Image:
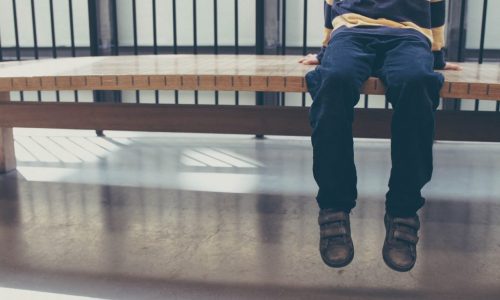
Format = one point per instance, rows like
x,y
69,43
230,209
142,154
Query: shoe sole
x,y
395,267
339,265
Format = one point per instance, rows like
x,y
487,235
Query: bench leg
x,y
7,155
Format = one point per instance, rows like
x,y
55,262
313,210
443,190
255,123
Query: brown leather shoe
x,y
401,239
335,246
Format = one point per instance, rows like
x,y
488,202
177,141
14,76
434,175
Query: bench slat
x,y
266,73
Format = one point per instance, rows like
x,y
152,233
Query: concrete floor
x,y
171,216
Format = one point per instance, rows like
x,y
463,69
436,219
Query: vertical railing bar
x,y
236,42
1,49
461,35
174,28
216,41
52,28
304,45
136,47
72,28
134,25
481,43
236,28
367,98
461,39
35,41
195,40
155,30
216,28
16,36
35,35
283,27
483,31
283,41
195,28
16,30
72,33
53,36
155,45
116,48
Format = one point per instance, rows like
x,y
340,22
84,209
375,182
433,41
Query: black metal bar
x,y
283,41
483,31
16,35
195,40
16,30
136,46
216,41
72,34
195,28
461,39
236,28
52,29
455,40
155,44
134,24
304,43
174,28
114,14
94,36
236,41
35,41
53,37
259,46
1,49
35,35
304,38
366,100
72,28
216,28
283,27
481,43
155,29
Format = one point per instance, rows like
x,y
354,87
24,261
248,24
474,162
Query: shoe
x,y
400,246
335,245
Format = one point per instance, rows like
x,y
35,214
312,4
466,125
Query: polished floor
x,y
172,216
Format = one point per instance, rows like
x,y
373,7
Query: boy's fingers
x,y
452,67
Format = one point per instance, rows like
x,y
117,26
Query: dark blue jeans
x,y
404,63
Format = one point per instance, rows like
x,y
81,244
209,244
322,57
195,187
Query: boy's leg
x,y
335,89
413,90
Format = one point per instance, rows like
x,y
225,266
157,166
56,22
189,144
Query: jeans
x,y
404,63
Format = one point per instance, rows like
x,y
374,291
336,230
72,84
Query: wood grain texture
x,y
267,120
267,73
7,153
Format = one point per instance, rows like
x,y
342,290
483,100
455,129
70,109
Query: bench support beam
x,y
267,120
7,154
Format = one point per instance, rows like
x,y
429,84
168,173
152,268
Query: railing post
x,y
7,153
267,42
455,41
102,28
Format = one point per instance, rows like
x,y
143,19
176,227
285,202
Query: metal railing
x,y
271,27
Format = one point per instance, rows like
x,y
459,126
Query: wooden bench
x,y
208,73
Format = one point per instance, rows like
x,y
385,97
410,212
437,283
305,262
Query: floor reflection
x,y
84,235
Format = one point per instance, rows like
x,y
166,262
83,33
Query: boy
x,y
399,41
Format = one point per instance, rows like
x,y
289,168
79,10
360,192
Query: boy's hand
x,y
310,59
452,67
